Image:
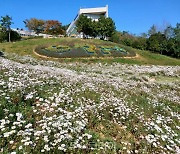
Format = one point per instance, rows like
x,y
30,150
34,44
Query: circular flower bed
x,y
61,51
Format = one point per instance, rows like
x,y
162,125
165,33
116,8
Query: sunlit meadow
x,y
75,107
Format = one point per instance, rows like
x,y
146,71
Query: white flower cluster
x,y
50,107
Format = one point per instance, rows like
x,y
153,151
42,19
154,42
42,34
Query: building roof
x,y
98,10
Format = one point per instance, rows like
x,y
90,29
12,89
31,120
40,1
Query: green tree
x,y
176,52
84,25
116,37
177,32
4,36
6,22
152,30
158,43
169,32
140,43
106,27
144,35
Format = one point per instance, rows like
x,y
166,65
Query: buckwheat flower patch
x,y
52,107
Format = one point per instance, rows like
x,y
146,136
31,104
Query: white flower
x,y
46,147
28,125
20,147
34,110
6,134
42,150
46,138
41,99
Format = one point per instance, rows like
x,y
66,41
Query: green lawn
x,y
26,47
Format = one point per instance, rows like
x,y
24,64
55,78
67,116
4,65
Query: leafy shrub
x,y
4,36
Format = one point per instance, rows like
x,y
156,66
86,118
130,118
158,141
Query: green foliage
x,y
157,42
152,30
140,43
6,22
84,25
166,42
4,36
105,27
177,32
169,32
115,38
15,36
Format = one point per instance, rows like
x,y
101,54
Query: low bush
x,y
4,36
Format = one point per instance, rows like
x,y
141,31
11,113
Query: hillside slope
x,y
88,107
26,47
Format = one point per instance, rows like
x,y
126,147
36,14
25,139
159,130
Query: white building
x,y
93,13
24,33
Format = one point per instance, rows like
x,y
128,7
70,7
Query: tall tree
x,y
157,42
34,24
53,27
177,32
6,22
169,32
84,25
94,29
106,27
144,35
152,30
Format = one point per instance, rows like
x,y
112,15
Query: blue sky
x,y
135,16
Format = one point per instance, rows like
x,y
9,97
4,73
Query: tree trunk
x,y
9,36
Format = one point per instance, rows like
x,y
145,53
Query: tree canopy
x,y
6,22
84,25
34,24
166,42
104,27
52,27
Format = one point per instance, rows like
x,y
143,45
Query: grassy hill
x,y
26,47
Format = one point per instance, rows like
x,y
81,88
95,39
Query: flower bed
x,y
58,48
60,51
90,49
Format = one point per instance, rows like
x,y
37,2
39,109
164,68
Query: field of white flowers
x,y
52,107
